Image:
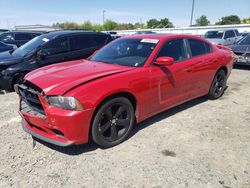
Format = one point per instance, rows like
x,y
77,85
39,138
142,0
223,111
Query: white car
x,y
223,37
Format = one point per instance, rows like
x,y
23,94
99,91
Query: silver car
x,y
223,37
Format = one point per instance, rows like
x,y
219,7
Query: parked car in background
x,y
3,30
242,51
223,37
127,81
18,38
144,32
244,34
7,47
114,34
49,48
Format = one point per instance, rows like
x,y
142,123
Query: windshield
x,y
127,52
214,35
245,40
30,46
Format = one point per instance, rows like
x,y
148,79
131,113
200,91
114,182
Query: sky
x,y
47,12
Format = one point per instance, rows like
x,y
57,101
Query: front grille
x,y
30,102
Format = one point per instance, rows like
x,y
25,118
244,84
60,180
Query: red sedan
x,y
126,82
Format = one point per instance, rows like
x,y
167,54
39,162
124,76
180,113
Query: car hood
x,y
58,79
6,58
240,48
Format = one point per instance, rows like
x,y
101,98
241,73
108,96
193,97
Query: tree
x,y
153,23
110,25
124,26
165,23
138,25
229,20
245,21
202,21
87,25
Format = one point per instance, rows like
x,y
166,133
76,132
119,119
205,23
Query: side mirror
x,y
166,61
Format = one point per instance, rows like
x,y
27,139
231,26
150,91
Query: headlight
x,y
66,103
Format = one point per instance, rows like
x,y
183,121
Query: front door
x,y
171,85
54,52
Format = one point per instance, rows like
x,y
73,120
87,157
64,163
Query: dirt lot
x,y
199,144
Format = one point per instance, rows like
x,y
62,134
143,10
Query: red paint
x,y
155,88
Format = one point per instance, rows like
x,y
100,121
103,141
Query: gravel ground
x,y
201,143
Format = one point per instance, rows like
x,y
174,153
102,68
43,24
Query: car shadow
x,y
90,147
166,114
242,67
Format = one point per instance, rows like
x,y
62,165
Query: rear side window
x,y
229,34
57,46
175,49
81,42
198,47
23,36
100,40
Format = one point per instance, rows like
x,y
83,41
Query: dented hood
x,y
57,79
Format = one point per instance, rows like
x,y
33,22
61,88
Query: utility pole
x,y
192,14
103,16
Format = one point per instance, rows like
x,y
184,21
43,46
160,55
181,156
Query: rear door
x,y
230,37
203,65
54,51
171,84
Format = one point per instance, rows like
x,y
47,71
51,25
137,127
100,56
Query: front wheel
x,y
113,122
218,85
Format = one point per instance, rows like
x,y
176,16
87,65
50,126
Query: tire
x,y
17,79
218,85
113,122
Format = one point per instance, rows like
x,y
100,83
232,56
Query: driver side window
x,y
175,49
57,46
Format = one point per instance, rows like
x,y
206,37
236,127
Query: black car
x,y
242,51
18,38
49,48
7,47
3,30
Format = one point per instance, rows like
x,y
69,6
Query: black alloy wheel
x,y
113,122
218,85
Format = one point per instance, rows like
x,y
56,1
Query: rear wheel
x,y
113,122
218,85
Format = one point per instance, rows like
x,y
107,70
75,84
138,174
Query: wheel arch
x,y
223,68
124,94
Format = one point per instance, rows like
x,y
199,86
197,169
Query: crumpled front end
x,y
51,124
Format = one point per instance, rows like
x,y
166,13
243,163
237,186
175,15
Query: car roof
x,y
221,30
54,34
35,32
163,36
